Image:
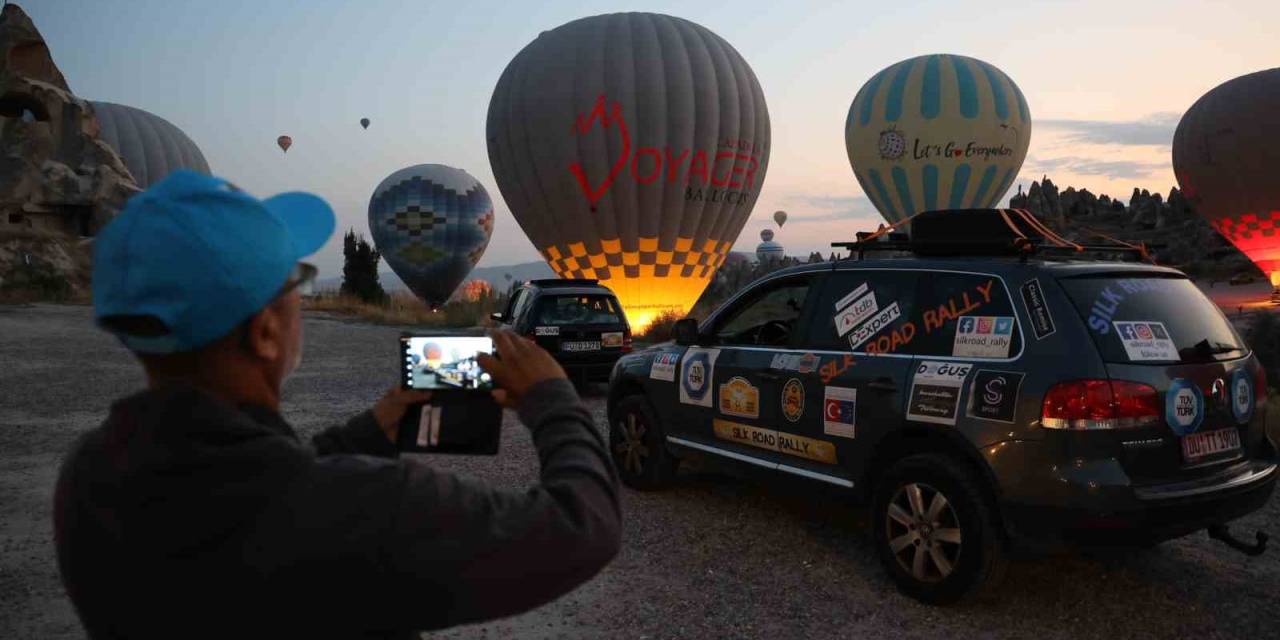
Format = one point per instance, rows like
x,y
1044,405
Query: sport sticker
x,y
611,339
793,400
935,391
994,395
1241,396
738,397
855,314
1183,406
839,411
782,442
874,325
698,369
546,331
664,367
1146,341
1033,300
983,337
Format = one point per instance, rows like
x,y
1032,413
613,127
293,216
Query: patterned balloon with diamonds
x,y
432,223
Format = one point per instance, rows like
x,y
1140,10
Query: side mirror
x,y
497,317
686,332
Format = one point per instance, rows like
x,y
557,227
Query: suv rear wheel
x,y
639,446
936,530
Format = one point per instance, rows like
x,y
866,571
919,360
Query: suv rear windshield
x,y
1112,305
577,309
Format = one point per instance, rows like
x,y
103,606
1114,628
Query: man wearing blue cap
x,y
196,511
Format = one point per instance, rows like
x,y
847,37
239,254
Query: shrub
x,y
662,327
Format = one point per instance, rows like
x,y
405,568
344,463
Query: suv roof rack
x,y
564,282
983,232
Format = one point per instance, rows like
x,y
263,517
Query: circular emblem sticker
x,y
793,400
1241,396
695,376
1183,406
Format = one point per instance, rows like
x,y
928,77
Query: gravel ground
x,y
723,554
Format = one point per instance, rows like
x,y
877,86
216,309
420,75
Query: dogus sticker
x,y
1146,341
697,370
935,391
739,398
793,445
793,400
994,395
1183,406
983,337
664,367
839,410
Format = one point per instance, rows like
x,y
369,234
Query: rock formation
x,y
58,181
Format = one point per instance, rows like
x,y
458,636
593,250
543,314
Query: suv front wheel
x,y
639,446
936,530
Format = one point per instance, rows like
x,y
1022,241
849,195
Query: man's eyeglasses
x,y
302,278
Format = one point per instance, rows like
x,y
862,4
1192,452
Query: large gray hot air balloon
x,y
432,223
150,145
631,148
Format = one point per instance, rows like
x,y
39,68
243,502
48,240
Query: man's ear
x,y
266,334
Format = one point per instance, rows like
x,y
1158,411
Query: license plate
x,y
591,345
1199,445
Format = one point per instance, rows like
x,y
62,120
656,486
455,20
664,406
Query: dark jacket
x,y
182,516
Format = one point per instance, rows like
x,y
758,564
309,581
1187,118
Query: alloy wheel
x,y
923,531
631,447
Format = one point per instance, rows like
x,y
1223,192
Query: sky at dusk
x,y
1106,83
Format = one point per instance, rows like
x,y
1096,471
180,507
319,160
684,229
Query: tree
x,y
360,269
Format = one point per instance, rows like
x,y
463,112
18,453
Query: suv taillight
x,y
626,340
1100,404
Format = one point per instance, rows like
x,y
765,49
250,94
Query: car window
x,y
517,304
965,315
1152,318
561,310
858,307
768,317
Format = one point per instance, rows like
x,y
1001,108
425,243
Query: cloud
x,y
826,208
1156,129
1084,166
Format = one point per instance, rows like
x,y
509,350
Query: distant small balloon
x,y
780,217
285,142
364,122
507,276
766,234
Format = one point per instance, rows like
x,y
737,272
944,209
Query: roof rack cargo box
x,y
969,232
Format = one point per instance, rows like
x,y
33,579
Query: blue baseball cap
x,y
200,256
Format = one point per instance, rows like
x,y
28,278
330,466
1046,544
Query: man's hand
x,y
523,365
392,406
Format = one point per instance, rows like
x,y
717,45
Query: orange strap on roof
x,y
1141,248
889,228
1048,233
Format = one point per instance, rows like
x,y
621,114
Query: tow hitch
x,y
1219,532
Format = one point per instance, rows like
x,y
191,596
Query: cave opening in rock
x,y
24,107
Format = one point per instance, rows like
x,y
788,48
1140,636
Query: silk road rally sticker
x,y
994,395
839,411
935,391
697,369
546,331
1241,396
664,367
738,397
855,314
779,441
874,325
1183,406
1146,341
983,337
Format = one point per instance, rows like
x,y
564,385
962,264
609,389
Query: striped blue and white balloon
x,y
937,132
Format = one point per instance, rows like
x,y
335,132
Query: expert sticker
x,y
1145,341
935,391
664,367
874,325
839,411
697,370
983,337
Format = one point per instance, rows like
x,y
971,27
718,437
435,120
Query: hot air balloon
x,y
766,234
769,251
431,223
150,146
364,122
937,132
285,142
638,163
780,217
1226,156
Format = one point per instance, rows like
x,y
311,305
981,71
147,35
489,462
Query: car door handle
x,y
765,375
883,384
